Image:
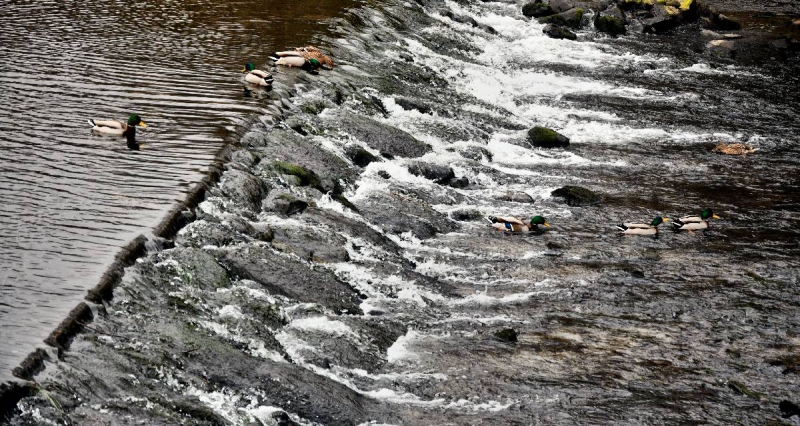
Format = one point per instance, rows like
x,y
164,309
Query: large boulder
x,y
571,18
386,139
554,31
284,204
725,48
610,21
196,268
291,278
399,212
576,195
243,188
542,137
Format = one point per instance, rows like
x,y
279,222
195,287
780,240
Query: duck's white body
x,y
258,77
638,229
109,127
691,226
293,60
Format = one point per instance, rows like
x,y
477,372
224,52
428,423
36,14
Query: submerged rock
x,y
542,137
576,195
571,18
554,31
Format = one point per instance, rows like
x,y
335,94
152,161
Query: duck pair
x,y
512,224
308,58
687,223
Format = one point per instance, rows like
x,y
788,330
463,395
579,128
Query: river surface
x,y
70,198
368,293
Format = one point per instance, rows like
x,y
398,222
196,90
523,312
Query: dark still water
x,y
68,198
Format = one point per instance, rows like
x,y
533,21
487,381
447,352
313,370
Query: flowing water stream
x,y
365,293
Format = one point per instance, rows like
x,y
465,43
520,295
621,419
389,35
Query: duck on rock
x,y
512,224
642,228
257,77
694,223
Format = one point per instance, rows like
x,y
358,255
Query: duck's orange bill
x,y
715,217
546,224
142,124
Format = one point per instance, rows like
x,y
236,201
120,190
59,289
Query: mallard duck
x,y
254,76
512,224
292,58
694,223
118,128
642,228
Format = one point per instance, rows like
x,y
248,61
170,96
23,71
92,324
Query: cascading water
x,y
329,280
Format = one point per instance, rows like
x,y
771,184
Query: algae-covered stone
x,y
611,21
554,31
576,195
542,137
307,177
571,18
537,10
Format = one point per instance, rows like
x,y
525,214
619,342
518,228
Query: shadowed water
x,y
69,199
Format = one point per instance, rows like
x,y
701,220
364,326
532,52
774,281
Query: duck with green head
x,y
311,65
694,223
118,128
512,224
642,228
257,77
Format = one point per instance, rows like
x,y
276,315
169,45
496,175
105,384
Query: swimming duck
x,y
512,224
302,56
642,228
694,223
254,76
118,128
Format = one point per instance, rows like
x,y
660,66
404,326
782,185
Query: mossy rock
x,y
537,10
554,31
507,335
307,177
571,18
344,201
542,137
610,25
576,195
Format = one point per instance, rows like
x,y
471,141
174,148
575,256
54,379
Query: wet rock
x,y
289,147
243,188
284,204
516,197
243,159
610,21
570,19
554,31
409,104
386,139
198,268
662,19
507,335
726,48
305,176
280,418
435,172
789,409
576,195
359,156
310,245
542,137
459,183
282,276
635,4
341,199
476,153
398,213
203,233
467,215
384,174
537,9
